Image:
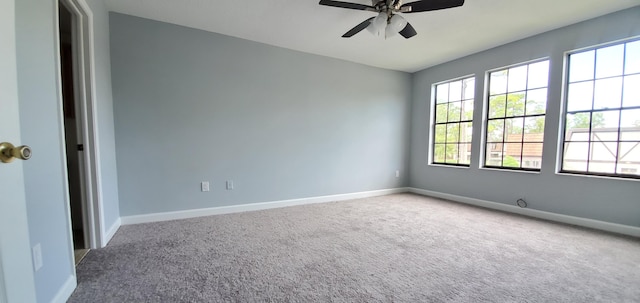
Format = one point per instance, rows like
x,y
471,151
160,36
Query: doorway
x,y
73,129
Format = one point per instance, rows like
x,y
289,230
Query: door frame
x,y
84,88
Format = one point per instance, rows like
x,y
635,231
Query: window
x,y
517,103
602,120
453,125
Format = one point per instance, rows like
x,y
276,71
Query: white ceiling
x,y
305,26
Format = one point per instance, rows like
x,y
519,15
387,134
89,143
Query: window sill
x,y
579,175
448,166
511,170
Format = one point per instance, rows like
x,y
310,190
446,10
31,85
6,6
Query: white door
x,y
16,270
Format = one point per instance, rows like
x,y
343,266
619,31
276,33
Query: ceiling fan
x,y
388,22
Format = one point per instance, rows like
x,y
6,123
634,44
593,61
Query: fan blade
x,y
408,31
358,28
341,4
429,5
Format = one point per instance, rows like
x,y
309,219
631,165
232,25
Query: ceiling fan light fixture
x,y
377,25
396,24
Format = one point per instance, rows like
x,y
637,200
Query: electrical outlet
x,y
397,174
230,185
204,186
37,257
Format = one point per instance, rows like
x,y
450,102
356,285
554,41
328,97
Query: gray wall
x,y
193,106
611,200
40,118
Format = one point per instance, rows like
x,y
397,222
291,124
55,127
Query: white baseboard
x,y
111,232
193,213
185,214
595,224
66,290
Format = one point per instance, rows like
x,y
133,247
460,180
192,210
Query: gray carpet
x,y
397,248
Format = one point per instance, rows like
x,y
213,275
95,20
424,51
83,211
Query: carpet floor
x,y
396,248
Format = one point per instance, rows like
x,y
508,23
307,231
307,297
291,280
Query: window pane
x,y
536,101
577,128
632,62
604,151
534,129
465,153
454,112
497,105
630,125
630,118
498,82
608,93
603,157
469,88
467,110
517,78
514,129
512,154
629,158
581,66
605,120
493,154
455,91
453,133
538,75
441,113
442,93
631,91
438,153
440,133
495,131
609,61
531,155
452,154
466,132
604,135
515,104
630,134
580,96
575,156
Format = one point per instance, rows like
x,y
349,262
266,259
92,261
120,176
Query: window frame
x,y
486,112
434,123
562,126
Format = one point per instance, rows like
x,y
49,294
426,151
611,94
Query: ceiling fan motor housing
x,y
388,6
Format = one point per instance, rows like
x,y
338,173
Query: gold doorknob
x,y
8,152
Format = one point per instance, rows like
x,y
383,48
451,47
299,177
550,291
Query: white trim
x,y
202,212
590,223
193,213
66,290
111,232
